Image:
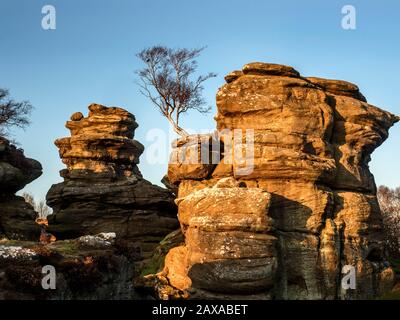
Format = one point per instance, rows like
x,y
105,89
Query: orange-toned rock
x,y
338,87
233,76
193,158
262,68
359,129
103,189
227,248
216,208
177,267
306,143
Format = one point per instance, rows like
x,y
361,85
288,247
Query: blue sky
x,y
90,57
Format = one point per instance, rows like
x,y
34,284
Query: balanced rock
x,y
17,218
103,189
304,205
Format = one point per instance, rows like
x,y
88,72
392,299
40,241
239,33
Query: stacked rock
x,y
103,190
17,218
229,248
308,143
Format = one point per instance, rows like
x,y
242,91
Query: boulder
x,y
227,245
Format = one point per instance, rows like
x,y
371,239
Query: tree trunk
x,y
177,128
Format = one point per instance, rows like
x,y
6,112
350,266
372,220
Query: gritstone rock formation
x,y
307,207
103,190
17,218
87,268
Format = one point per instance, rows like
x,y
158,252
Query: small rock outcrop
x,y
87,268
103,189
291,201
17,218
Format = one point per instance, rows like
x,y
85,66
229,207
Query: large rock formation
x,y
103,190
291,202
17,218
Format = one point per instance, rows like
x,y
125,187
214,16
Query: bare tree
x,y
29,198
43,209
12,113
389,201
40,207
166,81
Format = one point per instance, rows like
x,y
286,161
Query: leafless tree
x,y
40,207
29,198
12,113
389,201
167,81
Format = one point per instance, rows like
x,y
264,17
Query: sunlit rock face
x,y
103,189
102,142
308,207
17,218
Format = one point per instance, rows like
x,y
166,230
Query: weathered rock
x,y
192,158
306,143
16,171
17,218
227,248
261,68
217,209
281,111
359,129
304,205
338,87
152,279
103,189
88,268
233,76
358,218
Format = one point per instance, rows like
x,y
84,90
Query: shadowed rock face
x,y
87,268
103,190
284,229
17,218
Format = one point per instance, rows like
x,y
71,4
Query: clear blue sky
x,y
90,57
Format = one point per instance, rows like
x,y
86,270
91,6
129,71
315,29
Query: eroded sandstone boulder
x,y
306,142
17,218
228,248
103,189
